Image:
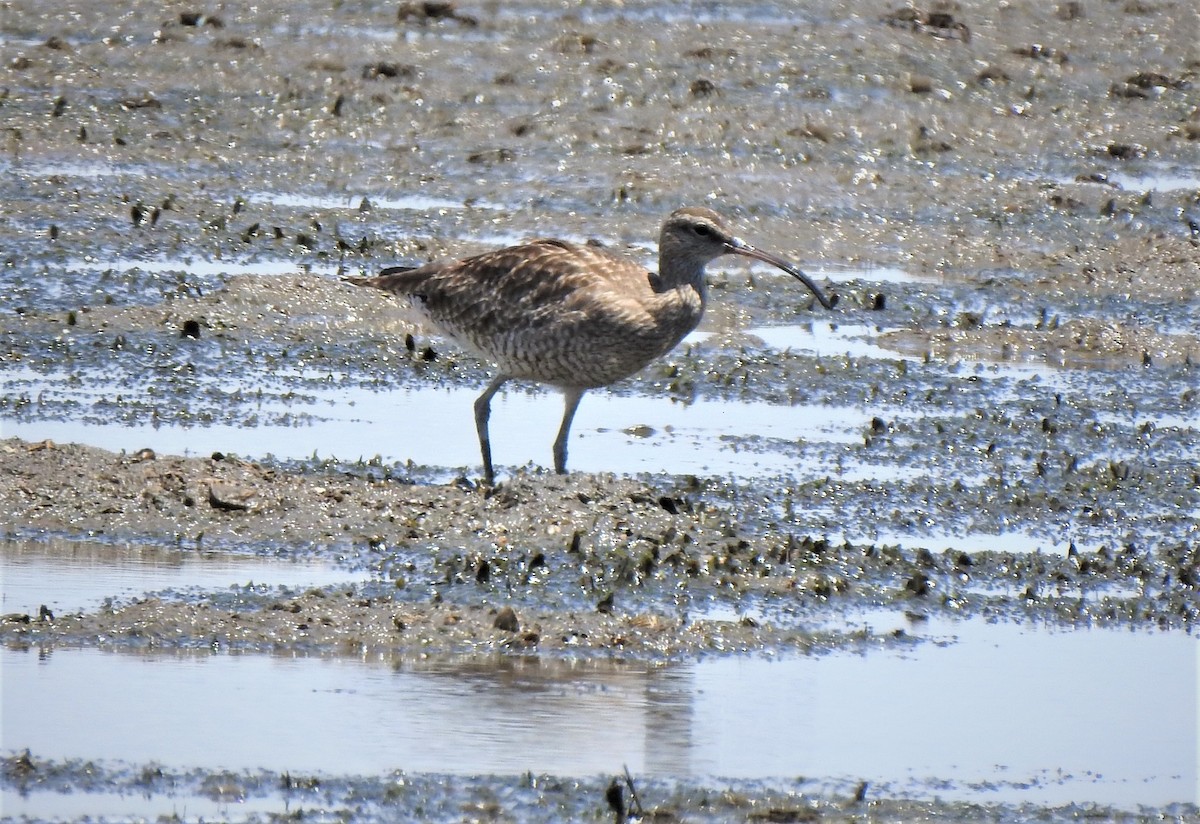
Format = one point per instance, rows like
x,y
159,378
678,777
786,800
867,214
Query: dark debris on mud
x,y
591,565
527,798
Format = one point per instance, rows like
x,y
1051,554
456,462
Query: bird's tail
x,y
381,281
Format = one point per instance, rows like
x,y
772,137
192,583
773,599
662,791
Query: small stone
x,y
919,585
920,84
506,619
229,498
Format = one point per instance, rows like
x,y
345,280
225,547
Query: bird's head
x,y
695,236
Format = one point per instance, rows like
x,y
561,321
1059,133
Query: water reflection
x,y
66,575
412,203
994,711
825,340
612,433
200,267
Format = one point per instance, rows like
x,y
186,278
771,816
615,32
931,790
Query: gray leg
x,y
483,411
570,404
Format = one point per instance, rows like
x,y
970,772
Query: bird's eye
x,y
701,230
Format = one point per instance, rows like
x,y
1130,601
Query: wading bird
x,y
573,316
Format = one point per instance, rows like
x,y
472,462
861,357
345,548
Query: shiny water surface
x,y
67,575
1039,715
611,433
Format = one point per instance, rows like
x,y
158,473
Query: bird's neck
x,y
677,272
678,302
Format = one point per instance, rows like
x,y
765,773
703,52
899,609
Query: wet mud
x,y
518,798
1006,200
626,564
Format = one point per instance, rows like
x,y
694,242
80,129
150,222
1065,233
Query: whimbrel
x,y
573,316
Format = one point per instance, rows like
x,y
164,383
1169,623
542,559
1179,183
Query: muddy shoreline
x,y
632,566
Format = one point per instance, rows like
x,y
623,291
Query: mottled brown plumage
x,y
572,316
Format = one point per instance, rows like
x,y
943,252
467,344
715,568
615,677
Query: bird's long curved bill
x,y
738,247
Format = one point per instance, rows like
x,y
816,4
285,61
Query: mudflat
x,y
997,423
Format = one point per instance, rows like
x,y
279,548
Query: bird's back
x,y
552,311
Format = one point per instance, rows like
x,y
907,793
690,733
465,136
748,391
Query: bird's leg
x,y
483,411
570,404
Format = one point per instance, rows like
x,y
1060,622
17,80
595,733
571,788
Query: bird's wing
x,y
545,281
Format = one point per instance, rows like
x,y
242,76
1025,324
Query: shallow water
x,y
183,806
205,268
852,340
415,203
868,274
624,434
1014,541
67,575
1155,178
1041,715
